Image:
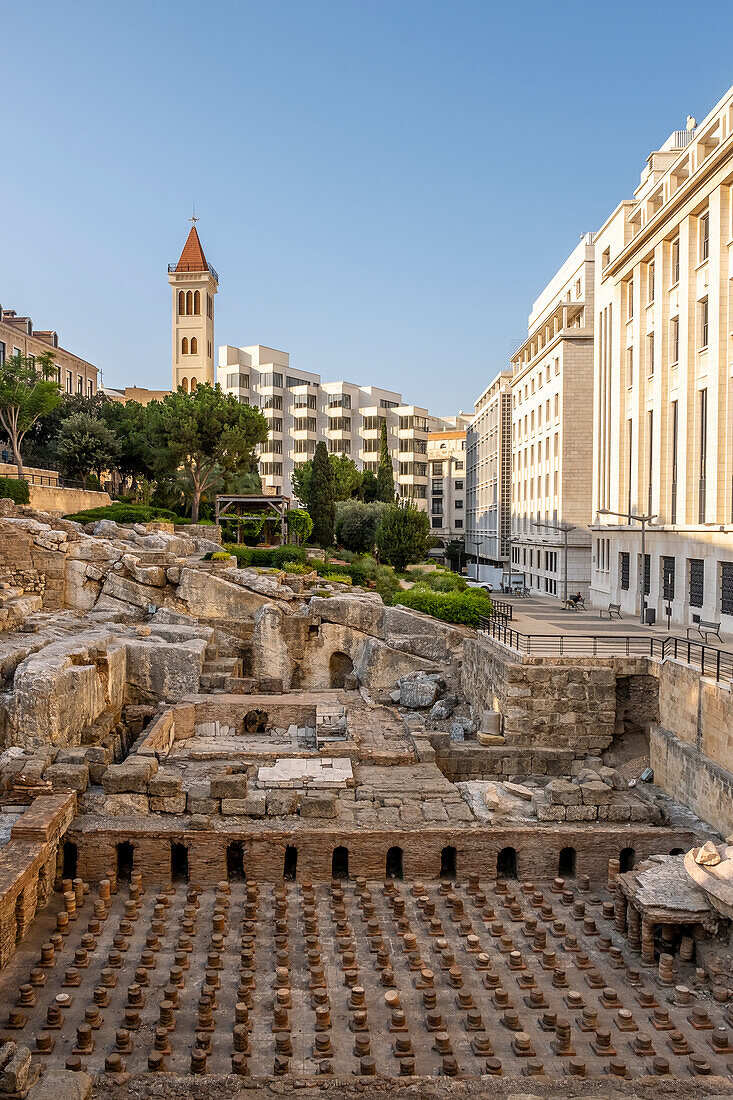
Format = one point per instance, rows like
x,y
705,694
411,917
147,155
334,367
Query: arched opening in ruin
x,y
506,863
339,667
125,859
290,863
70,859
340,862
566,863
393,864
179,862
235,862
448,862
677,851
627,859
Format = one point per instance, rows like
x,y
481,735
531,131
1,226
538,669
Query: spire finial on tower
x,y
193,217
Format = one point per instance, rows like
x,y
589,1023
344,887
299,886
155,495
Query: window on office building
x,y
675,265
696,581
668,571
726,587
650,282
650,354
704,237
674,340
703,455
703,314
623,560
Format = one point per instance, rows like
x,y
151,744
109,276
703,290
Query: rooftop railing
x,y
172,268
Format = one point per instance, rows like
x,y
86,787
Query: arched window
x,y
290,863
184,384
184,346
194,345
566,863
179,862
627,859
340,862
194,383
181,303
393,864
189,302
235,862
197,301
506,863
448,862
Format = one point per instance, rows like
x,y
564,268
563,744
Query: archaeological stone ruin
x,y
266,832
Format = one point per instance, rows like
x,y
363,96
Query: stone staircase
x,y
220,665
16,605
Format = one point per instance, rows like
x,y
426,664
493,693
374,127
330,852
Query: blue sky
x,y
383,187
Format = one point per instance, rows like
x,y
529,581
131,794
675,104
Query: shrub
x,y
356,524
440,582
124,513
274,557
451,607
17,490
403,534
220,555
298,567
337,578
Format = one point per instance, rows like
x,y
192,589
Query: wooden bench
x,y
703,628
611,610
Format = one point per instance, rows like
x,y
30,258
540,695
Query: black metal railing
x,y
193,268
707,659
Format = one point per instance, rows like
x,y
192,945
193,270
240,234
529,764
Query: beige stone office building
x,y
552,403
663,421
488,482
302,410
447,461
17,334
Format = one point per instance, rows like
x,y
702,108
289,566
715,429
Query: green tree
x,y
369,487
403,534
28,391
86,446
205,436
321,497
356,525
129,422
300,525
385,473
346,475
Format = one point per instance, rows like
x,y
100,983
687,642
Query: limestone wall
x,y
692,779
55,498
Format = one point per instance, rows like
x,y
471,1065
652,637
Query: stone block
x,y
199,800
281,803
596,794
318,805
169,804
233,807
73,776
562,793
581,813
228,786
546,812
165,782
130,776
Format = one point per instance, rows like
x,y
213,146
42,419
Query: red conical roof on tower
x,y
192,257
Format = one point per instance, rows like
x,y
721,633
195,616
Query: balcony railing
x,y
192,268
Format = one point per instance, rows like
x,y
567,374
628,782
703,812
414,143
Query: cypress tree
x,y
321,498
385,474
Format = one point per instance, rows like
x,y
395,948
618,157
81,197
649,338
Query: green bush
x,y
439,582
274,557
451,607
337,578
355,572
18,491
300,568
220,555
125,513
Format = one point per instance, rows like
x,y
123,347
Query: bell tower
x,y
193,285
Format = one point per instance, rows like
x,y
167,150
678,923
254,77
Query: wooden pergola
x,y
236,504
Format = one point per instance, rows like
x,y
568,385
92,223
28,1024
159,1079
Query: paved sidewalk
x,y
545,615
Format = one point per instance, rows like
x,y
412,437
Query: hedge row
x,y
18,491
451,607
124,513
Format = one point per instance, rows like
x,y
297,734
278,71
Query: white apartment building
x,y
488,482
302,410
552,403
663,417
447,461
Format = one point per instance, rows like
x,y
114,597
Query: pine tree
x,y
385,474
321,498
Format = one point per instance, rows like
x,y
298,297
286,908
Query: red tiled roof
x,y
192,257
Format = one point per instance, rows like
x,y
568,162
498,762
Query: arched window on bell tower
x,y
197,302
194,345
189,302
184,346
184,384
181,303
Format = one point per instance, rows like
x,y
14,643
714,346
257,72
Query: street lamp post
x,y
565,528
643,520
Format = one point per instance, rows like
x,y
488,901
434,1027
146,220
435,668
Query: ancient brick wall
x,y
264,852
